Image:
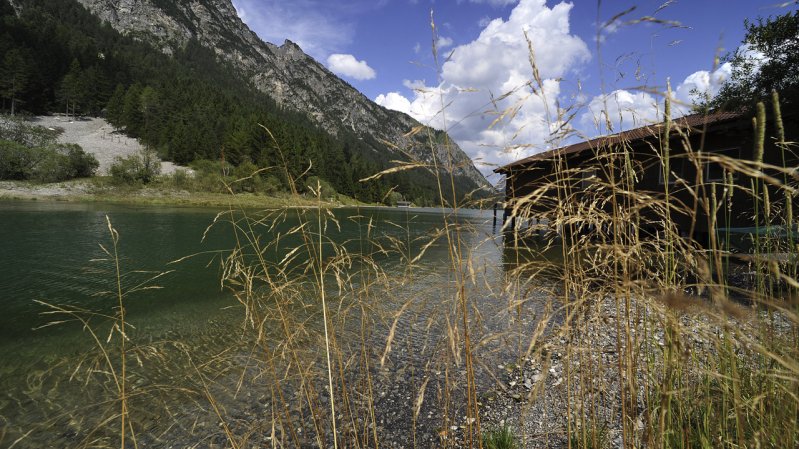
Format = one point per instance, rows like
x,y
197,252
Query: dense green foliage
x,y
142,167
29,152
187,107
766,61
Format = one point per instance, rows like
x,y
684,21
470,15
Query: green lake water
x,y
47,251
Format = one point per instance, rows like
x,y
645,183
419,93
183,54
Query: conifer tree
x,y
73,88
14,75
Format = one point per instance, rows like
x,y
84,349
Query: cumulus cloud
x,y
347,65
700,85
492,74
622,110
395,101
444,42
484,21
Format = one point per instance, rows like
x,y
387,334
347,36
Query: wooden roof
x,y
689,121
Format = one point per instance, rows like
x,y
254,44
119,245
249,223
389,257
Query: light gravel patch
x,y
98,137
25,190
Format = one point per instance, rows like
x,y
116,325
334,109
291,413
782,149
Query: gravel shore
x,y
97,137
533,401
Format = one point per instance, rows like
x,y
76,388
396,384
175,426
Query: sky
x,y
590,56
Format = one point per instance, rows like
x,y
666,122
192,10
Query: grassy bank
x,y
100,190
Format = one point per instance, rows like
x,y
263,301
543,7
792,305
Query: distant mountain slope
x,y
292,78
190,80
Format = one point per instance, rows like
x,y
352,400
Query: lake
x,y
201,364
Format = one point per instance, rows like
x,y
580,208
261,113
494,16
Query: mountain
x,y
192,82
292,78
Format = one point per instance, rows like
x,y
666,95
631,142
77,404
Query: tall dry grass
x,y
704,347
643,339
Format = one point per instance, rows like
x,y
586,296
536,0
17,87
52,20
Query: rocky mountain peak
x,y
295,80
292,51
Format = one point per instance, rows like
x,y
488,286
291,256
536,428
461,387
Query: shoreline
x,y
85,191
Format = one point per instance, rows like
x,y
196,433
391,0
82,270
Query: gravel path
x,y
98,137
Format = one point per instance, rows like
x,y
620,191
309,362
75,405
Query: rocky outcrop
x,y
294,79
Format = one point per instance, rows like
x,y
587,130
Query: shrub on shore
x,y
30,152
53,163
222,177
140,168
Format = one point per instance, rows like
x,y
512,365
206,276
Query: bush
x,y
16,161
142,167
52,164
272,184
181,179
246,178
393,198
208,175
81,164
62,162
327,191
213,176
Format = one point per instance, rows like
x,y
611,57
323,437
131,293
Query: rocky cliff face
x,y
291,77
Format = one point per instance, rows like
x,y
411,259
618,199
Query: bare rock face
x,y
294,79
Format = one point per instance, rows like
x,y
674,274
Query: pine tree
x,y
73,88
14,75
116,106
131,110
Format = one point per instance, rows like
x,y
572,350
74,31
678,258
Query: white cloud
x,y
395,101
444,42
700,84
620,110
347,65
708,84
624,110
496,63
627,110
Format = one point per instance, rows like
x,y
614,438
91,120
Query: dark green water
x,y
46,253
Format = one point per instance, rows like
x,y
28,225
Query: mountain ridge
x,y
292,78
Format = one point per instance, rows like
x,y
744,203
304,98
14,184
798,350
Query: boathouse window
x,y
714,171
675,170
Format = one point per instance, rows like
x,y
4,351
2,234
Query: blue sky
x,y
586,62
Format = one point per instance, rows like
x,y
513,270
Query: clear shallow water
x,y
46,252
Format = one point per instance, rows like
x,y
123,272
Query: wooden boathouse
x,y
703,163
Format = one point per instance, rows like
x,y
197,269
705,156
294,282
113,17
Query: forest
x,y
58,57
